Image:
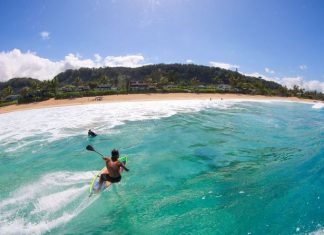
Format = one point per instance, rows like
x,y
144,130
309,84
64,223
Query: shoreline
x,y
146,97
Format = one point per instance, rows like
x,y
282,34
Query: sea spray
x,y
49,202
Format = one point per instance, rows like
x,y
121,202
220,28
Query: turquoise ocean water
x,y
196,167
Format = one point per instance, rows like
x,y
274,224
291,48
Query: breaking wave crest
x,y
51,124
51,201
318,106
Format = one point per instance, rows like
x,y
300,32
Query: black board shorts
x,y
107,177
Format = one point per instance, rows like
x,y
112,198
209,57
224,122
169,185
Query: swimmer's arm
x,y
106,159
123,166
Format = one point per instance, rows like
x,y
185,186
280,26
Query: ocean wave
x,y
318,232
51,124
45,204
318,106
22,128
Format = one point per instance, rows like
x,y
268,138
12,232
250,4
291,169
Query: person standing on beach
x,y
113,168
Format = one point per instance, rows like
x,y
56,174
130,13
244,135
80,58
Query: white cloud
x,y
123,61
307,85
303,67
18,64
289,82
223,65
189,61
44,35
97,57
269,70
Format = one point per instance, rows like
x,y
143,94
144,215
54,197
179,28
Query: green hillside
x,y
157,78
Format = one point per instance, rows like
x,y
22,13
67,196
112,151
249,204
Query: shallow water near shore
x,y
197,167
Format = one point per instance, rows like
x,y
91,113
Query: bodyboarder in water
x,y
91,133
113,169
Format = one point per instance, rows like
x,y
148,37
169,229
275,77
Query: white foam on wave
x,y
50,124
19,226
318,232
318,106
49,202
53,202
47,182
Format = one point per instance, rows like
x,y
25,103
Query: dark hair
x,y
114,154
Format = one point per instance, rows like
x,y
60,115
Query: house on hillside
x,y
224,87
141,86
104,87
138,86
170,86
10,98
83,88
68,88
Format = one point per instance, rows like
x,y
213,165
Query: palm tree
x,y
54,85
24,94
78,82
8,91
104,79
34,86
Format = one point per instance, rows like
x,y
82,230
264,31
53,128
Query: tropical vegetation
x,y
159,78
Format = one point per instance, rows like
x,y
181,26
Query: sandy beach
x,y
142,97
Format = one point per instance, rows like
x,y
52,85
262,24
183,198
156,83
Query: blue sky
x,y
278,40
